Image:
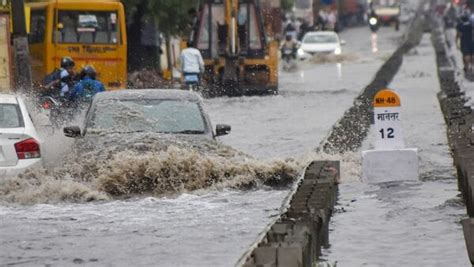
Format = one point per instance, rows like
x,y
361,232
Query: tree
x,y
287,5
171,16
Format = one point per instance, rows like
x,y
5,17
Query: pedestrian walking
x,y
192,65
464,35
450,20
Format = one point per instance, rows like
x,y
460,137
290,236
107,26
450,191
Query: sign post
x,y
389,160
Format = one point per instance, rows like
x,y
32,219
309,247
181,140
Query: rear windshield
x,y
87,27
320,39
10,116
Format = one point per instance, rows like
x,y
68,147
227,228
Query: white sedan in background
x,y
20,145
321,42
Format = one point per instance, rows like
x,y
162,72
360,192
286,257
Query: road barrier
x,y
460,129
297,236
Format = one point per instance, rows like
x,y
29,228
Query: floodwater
x,y
214,226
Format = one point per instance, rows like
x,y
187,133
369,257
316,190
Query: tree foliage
x,y
171,15
287,4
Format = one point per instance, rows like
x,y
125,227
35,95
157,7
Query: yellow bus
x,y
92,32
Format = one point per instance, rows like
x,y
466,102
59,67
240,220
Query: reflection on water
x,y
374,42
339,70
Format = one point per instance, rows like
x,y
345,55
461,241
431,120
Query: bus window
x,y
37,26
87,27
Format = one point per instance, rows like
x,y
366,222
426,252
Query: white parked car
x,y
20,145
321,42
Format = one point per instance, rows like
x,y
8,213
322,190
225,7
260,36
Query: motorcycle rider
x,y
87,87
289,44
58,86
192,64
373,21
60,82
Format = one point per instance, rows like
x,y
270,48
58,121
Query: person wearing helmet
x,y
60,81
67,63
88,86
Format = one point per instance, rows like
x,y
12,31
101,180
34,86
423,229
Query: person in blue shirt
x,y
88,86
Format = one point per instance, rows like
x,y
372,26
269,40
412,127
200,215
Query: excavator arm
x,y
230,35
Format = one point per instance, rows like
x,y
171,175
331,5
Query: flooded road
x,y
311,99
413,223
214,227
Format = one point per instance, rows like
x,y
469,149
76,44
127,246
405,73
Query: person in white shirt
x,y
192,63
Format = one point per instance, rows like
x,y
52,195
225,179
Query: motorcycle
x,y
288,58
60,111
374,24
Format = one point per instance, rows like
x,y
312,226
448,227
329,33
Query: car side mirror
x,y
343,42
222,129
72,131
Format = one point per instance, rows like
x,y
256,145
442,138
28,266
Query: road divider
x,y
351,130
297,236
460,128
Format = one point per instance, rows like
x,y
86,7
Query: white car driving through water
x,y
20,144
321,42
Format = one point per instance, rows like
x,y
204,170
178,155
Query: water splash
x,y
332,58
117,166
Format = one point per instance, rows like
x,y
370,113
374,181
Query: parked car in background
x,y
169,112
20,144
320,42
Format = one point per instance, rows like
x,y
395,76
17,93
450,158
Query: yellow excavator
x,y
239,56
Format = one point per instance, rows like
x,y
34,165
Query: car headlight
x,y
337,51
373,21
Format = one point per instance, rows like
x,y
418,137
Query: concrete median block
x,y
295,239
290,256
280,228
390,165
468,228
265,256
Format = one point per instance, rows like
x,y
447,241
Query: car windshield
x,y
10,116
163,116
320,39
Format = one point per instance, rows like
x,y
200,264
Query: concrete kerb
x,y
312,201
296,237
460,121
468,228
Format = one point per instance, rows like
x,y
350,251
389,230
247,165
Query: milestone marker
x,y
387,120
389,160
